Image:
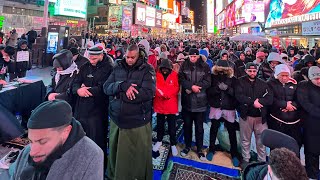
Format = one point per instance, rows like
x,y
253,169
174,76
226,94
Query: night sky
x,y
199,11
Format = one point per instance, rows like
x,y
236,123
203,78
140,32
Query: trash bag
x,y
10,127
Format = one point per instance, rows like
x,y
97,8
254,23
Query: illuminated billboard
x,y
219,6
291,11
163,4
247,11
210,16
230,15
76,8
221,20
150,16
140,15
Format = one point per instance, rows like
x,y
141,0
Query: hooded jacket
x,y
282,94
14,66
152,59
167,89
265,71
194,74
121,55
173,58
218,98
208,61
126,113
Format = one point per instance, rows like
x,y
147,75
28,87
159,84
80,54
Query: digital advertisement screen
x,y
73,8
115,16
150,16
140,14
219,6
249,11
126,18
210,16
163,4
159,18
230,15
291,11
221,20
52,46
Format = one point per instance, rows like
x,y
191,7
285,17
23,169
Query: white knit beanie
x,y
281,68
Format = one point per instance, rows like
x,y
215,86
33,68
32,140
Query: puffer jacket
x,y
218,98
124,112
265,72
281,95
194,74
255,171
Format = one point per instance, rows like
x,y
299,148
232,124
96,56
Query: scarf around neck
x,y
35,171
70,70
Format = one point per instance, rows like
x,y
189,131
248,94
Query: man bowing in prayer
x,y
131,87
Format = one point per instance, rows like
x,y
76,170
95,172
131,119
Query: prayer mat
x,y
159,160
185,172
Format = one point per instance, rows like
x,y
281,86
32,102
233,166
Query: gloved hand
x,y
222,86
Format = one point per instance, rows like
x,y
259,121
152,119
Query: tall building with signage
x,y
25,14
294,22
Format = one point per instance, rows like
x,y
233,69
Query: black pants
x,y
171,119
197,118
12,76
312,164
292,130
231,128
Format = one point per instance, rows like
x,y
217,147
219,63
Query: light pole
x,y
94,19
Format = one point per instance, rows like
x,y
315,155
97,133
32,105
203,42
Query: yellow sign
x,y
72,22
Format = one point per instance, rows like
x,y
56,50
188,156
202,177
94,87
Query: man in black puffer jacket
x,y
194,77
91,107
284,112
254,96
131,88
222,101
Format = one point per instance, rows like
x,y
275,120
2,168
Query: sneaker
x,y
185,152
235,162
201,156
174,150
10,158
210,156
157,146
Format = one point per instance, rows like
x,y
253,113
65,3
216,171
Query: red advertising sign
x,y
276,42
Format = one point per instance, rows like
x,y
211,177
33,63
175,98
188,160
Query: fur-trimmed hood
x,y
226,70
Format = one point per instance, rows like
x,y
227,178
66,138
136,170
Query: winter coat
x,y
194,74
265,72
13,39
152,60
281,95
81,60
63,87
255,171
166,103
126,113
23,66
247,92
32,36
94,77
308,96
218,98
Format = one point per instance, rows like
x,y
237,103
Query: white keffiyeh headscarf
x,y
70,70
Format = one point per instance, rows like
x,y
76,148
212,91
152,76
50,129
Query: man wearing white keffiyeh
x,y
66,69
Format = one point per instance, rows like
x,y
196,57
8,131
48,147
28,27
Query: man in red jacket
x,y
166,103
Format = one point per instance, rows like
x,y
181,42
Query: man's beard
x,y
51,155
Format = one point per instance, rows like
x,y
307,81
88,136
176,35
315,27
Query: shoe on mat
x,y
185,152
235,162
157,146
174,150
201,156
210,156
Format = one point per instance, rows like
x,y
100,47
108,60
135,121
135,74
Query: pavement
x,y
44,73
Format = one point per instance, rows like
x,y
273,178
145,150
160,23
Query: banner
x,y
311,28
115,17
127,18
210,16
